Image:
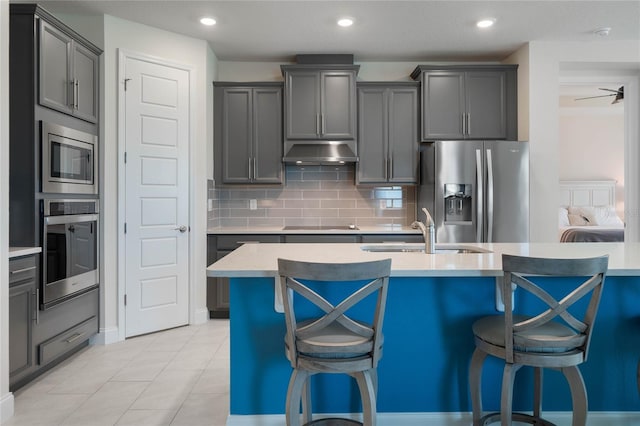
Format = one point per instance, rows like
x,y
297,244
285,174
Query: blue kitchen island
x,y
432,302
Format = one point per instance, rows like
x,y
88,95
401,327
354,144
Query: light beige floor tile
x,y
87,379
145,366
168,345
147,418
202,410
107,405
168,391
213,381
44,410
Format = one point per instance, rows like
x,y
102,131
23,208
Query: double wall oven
x,y
69,213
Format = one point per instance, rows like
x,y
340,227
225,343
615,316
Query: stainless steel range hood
x,y
320,152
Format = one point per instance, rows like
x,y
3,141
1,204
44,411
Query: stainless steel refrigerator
x,y
476,191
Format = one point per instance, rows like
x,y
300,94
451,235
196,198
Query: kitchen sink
x,y
419,248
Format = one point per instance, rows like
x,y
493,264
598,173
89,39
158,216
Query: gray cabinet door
x,y
23,305
251,136
486,105
302,105
338,105
236,135
21,312
320,104
404,145
372,131
443,105
85,73
55,75
388,134
267,135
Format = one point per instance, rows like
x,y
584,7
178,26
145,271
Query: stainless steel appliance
x,y
477,191
69,160
70,249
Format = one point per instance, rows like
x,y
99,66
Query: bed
x,y
587,212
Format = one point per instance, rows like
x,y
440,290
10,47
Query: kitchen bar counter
x,y
432,302
260,260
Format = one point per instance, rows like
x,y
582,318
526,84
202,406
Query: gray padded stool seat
x,y
555,336
333,342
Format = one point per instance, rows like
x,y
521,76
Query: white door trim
x,y
123,54
631,142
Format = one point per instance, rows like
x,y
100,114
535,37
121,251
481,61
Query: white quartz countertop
x,y
278,230
260,260
23,251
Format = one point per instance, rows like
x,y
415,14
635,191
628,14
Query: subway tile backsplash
x,y
312,195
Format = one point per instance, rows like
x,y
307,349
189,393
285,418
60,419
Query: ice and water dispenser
x,y
457,202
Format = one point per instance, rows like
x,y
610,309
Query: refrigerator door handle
x,y
480,197
489,197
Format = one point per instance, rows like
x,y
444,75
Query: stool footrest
x,y
517,417
333,422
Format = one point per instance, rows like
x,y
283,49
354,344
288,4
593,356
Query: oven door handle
x,y
75,218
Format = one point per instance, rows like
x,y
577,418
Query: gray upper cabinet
x,y
320,103
68,74
248,134
468,102
388,133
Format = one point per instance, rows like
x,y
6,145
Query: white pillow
x,y
578,220
563,217
600,215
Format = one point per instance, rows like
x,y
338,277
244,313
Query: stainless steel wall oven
x,y
69,160
70,249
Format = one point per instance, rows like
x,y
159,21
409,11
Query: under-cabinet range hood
x,y
319,152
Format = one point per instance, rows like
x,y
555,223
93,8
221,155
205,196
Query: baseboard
x,y
6,407
106,336
201,316
595,418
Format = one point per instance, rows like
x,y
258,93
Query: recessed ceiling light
x,y
345,22
602,32
485,23
207,21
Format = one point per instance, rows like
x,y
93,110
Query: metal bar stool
x,y
550,338
333,342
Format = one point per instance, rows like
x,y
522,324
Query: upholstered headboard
x,y
587,193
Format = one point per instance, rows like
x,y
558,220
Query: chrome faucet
x,y
428,232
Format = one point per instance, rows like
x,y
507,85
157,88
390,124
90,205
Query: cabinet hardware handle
x,y
318,124
464,123
254,169
19,271
247,242
74,337
36,308
77,95
468,123
322,124
249,168
71,93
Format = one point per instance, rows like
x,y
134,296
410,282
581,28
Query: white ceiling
x,y
390,30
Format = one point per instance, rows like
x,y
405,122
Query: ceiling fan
x,y
619,95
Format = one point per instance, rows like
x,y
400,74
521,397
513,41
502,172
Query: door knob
x,y
182,229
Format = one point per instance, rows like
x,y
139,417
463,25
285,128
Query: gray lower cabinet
x,y
23,314
392,238
68,73
248,136
388,144
323,238
320,102
219,246
468,101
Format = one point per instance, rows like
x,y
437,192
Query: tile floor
x,y
176,377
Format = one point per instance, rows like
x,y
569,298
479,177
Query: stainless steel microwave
x,y
69,160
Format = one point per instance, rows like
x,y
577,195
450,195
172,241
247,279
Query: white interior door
x,y
157,196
